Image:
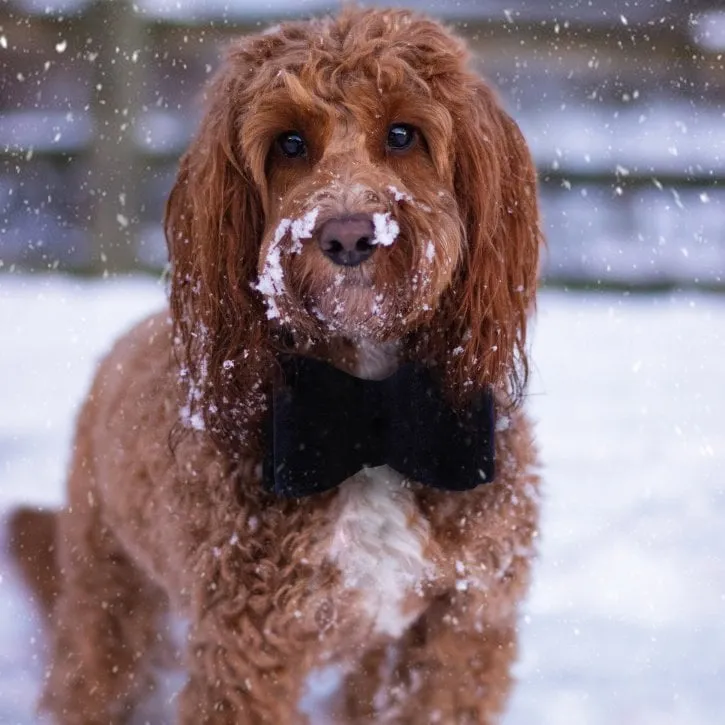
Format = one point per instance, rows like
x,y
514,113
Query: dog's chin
x,y
356,310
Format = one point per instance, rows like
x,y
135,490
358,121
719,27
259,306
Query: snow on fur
x,y
271,280
386,229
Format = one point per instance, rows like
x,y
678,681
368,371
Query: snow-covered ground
x,y
626,621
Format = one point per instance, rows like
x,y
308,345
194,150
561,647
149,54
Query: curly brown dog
x,y
355,195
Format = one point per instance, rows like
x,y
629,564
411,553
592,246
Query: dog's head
x,y
352,178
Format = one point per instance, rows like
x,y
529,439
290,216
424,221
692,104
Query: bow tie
x,y
326,425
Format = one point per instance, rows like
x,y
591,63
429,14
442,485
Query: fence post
x,y
118,36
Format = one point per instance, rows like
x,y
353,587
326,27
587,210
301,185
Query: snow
x,y
206,9
46,130
155,132
47,7
708,30
399,195
161,132
596,14
303,228
386,229
648,137
650,235
625,619
271,280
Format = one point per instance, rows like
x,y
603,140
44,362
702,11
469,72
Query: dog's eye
x,y
292,144
400,137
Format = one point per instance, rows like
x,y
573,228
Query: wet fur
x,y
165,512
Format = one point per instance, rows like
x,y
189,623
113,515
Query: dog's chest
x,y
379,537
379,542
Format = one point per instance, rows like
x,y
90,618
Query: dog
x,y
356,197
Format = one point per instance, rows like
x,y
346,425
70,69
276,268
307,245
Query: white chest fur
x,y
379,543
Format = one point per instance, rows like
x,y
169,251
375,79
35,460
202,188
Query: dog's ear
x,y
214,223
482,337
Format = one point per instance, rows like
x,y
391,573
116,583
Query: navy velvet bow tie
x,y
326,425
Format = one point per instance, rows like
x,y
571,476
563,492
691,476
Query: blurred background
x,y
623,105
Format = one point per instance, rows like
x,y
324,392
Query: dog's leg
x,y
202,702
32,545
268,619
253,678
453,665
104,628
105,614
459,669
446,670
247,654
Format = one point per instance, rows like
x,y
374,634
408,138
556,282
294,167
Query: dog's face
x,y
363,230
351,178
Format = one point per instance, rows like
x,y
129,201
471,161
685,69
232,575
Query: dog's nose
x,y
348,241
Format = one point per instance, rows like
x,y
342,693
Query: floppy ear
x,y
214,223
482,327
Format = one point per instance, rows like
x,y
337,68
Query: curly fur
x,y
381,601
